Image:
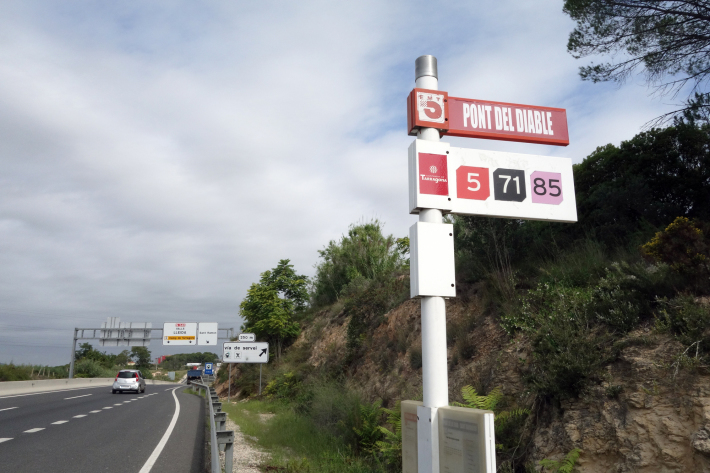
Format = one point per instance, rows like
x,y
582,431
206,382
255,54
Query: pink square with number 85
x,y
546,187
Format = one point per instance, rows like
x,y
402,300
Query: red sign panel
x,y
433,174
484,119
472,183
507,121
427,109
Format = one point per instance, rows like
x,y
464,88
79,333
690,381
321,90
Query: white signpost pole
x,y
434,366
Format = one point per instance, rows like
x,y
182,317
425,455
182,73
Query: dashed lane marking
x,y
108,407
50,392
119,404
32,431
74,397
4,440
94,412
7,409
60,422
82,415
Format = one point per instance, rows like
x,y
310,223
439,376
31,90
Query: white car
x,y
129,380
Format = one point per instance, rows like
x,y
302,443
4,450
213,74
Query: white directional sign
x,y
179,333
247,337
207,333
237,352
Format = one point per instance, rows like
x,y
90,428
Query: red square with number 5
x,y
472,183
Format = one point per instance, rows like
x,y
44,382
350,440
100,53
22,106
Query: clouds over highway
x,y
154,159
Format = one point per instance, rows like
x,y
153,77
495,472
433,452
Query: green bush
x,y
684,245
415,357
569,349
285,386
686,319
13,372
88,368
362,255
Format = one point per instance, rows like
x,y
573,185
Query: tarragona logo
x,y
430,107
434,182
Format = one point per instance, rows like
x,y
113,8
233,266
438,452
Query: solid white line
x,y
159,448
7,409
80,416
60,422
56,391
36,429
83,395
4,440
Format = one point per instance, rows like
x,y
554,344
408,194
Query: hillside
x,y
590,341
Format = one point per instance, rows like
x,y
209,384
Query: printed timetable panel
x,y
511,185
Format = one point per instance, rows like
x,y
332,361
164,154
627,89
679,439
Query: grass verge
x,y
294,442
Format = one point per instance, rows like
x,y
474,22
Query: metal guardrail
x,y
219,439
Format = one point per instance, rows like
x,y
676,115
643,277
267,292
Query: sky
x,y
156,157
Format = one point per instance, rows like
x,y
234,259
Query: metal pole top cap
x,y
425,66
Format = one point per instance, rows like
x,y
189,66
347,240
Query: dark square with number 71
x,y
509,185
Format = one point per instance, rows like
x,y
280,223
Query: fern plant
x,y
368,432
490,403
566,465
390,447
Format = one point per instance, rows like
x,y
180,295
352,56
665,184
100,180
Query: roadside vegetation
x,y
12,372
638,258
92,363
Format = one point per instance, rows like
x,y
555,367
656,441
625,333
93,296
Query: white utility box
x,y
431,264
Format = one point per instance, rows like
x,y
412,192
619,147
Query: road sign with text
x,y
474,118
237,352
180,333
207,333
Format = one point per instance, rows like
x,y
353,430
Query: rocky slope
x,y
649,413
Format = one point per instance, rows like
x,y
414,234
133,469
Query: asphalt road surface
x,y
91,430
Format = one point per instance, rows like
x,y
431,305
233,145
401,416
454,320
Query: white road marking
x,y
4,440
83,395
7,409
60,422
159,448
108,407
50,392
94,412
82,415
36,429
126,402
119,404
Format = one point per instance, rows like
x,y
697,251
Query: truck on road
x,y
194,375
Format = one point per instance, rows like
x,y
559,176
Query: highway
x,y
91,430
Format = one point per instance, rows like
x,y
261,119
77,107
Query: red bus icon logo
x,y
430,107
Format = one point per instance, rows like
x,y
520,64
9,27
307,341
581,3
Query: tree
x,y
363,254
270,305
122,358
141,355
661,38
